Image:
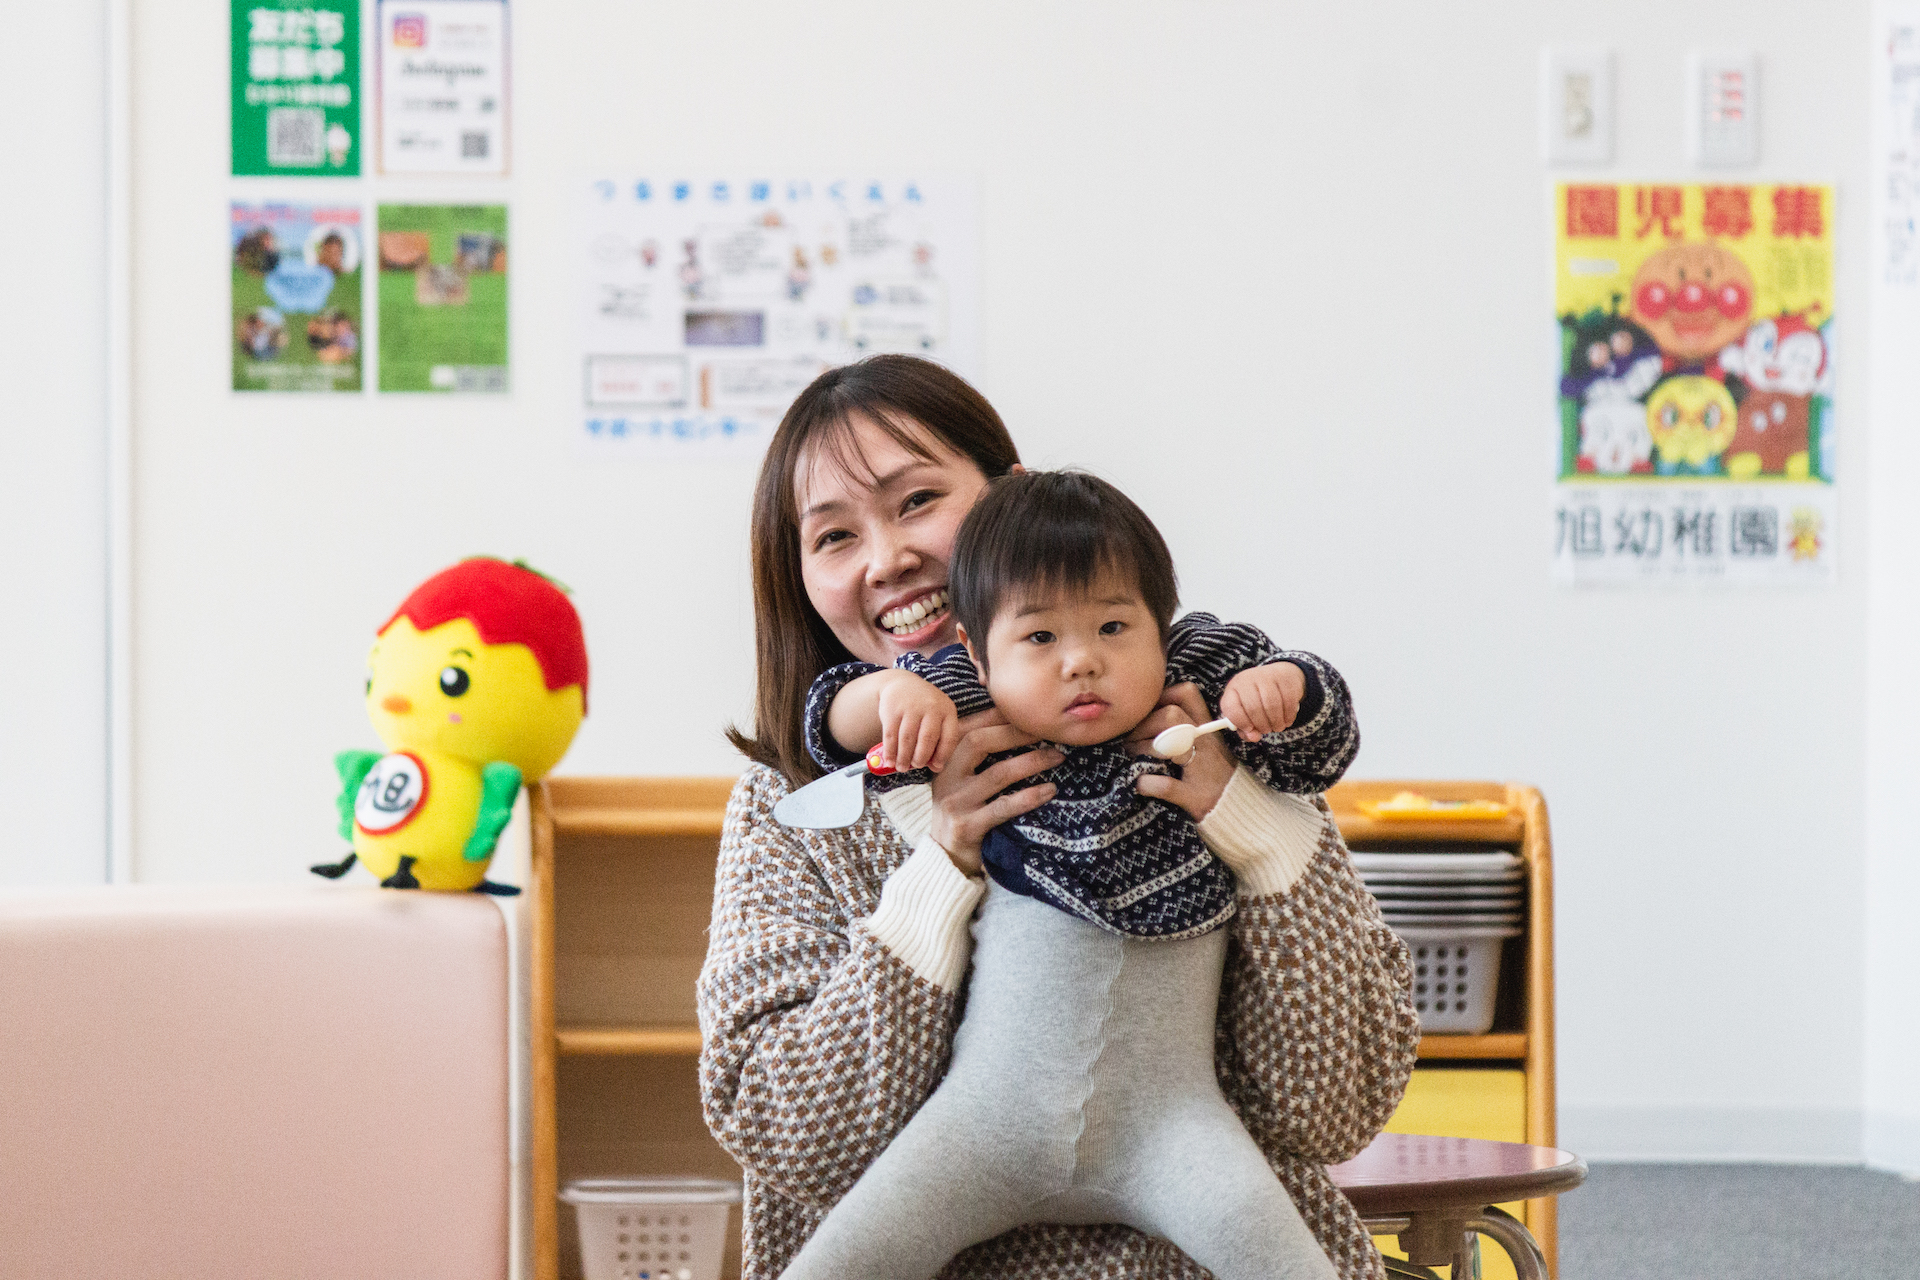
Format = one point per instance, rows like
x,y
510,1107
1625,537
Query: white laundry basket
x,y
1456,975
651,1228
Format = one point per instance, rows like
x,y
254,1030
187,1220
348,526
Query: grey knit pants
x,y
1081,1090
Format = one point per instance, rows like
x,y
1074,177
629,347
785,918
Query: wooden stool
x,y
1436,1194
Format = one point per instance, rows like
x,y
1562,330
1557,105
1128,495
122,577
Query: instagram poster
x,y
1694,384
296,314
443,86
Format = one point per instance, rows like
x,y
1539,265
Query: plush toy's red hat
x,y
507,604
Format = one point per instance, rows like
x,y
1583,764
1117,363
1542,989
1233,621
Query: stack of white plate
x,y
1453,910
1445,890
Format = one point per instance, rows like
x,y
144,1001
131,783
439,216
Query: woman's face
x,y
875,540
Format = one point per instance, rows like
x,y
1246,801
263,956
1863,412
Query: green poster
x,y
443,297
296,297
296,87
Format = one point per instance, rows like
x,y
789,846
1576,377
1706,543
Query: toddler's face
x,y
1076,668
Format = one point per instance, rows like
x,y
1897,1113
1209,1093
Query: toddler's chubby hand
x,y
919,726
1263,700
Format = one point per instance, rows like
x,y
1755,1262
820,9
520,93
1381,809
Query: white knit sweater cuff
x,y
922,917
910,809
1267,838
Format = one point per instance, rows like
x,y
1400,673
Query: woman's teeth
x,y
908,619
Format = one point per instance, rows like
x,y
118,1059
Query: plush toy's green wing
x,y
354,766
499,785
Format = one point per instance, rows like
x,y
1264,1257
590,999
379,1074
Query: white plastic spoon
x,y
1179,740
836,800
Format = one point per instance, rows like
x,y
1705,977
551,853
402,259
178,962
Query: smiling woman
x,y
832,987
863,487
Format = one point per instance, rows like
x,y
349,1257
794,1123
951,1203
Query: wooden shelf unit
x,y
622,891
1522,1037
622,887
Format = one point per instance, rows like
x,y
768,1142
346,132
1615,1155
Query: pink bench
x,y
253,1082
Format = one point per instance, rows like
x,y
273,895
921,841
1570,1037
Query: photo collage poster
x,y
707,305
438,309
296,297
1695,382
443,297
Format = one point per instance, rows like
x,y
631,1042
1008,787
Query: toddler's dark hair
x,y
1044,531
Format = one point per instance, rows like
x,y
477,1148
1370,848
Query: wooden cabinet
x,y
1499,1085
622,889
621,892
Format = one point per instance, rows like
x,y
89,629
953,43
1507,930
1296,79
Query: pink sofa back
x,y
253,1084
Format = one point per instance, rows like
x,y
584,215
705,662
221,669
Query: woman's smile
x,y
915,620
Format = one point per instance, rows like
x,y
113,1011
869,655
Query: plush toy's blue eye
x,y
454,682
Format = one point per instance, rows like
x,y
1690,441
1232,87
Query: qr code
x,y
473,146
296,137
486,379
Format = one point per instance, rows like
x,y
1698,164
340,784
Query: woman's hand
x,y
964,808
1204,778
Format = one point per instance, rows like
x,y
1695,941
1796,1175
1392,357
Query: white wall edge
x,y
119,427
1893,1143
1718,1135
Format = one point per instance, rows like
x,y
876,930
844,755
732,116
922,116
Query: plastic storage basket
x,y
1456,974
651,1228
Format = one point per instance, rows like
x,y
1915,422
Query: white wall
x,y
1280,271
1893,676
53,425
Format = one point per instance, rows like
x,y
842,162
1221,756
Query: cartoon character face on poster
x,y
1614,439
1771,437
1691,420
1786,355
1611,357
1694,297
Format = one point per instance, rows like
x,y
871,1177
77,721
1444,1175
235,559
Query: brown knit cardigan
x,y
818,1044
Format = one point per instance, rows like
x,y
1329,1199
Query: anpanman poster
x,y
1695,382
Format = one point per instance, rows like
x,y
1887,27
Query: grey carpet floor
x,y
1722,1222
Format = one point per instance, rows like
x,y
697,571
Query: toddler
x,y
1081,1087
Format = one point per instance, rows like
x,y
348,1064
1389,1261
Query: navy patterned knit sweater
x,y
1100,850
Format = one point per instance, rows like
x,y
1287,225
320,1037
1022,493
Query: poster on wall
x,y
1899,147
296,297
708,304
296,87
443,86
1695,382
443,297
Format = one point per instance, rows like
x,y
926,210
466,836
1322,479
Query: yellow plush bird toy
x,y
476,684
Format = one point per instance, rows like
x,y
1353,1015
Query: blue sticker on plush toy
x,y
299,286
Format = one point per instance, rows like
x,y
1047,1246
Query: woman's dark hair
x,y
1047,531
908,398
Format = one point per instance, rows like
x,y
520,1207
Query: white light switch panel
x,y
1576,105
1723,109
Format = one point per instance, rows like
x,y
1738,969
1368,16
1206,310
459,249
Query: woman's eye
x,y
1111,628
454,681
830,537
920,499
